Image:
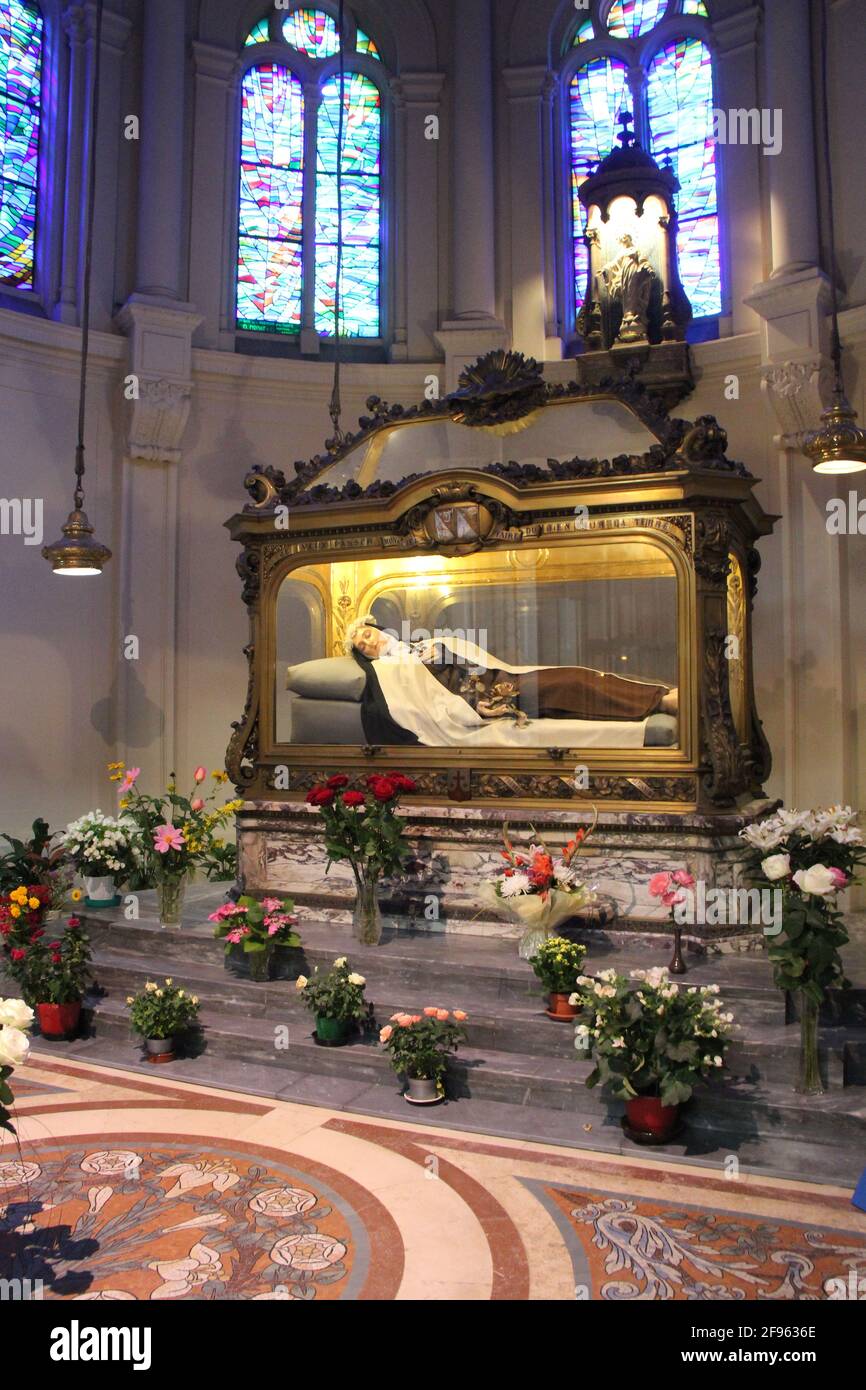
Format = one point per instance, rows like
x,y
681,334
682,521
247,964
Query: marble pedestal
x,y
281,851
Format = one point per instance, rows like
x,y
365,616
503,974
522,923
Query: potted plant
x,y
362,828
176,832
557,964
809,857
161,1014
255,930
31,861
540,891
652,1041
15,1020
102,850
51,972
336,999
419,1046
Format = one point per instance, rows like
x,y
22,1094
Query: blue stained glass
x,y
680,108
271,201
366,45
628,19
21,35
584,33
361,193
312,32
598,92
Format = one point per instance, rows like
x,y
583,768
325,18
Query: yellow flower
x,y
124,802
150,987
130,998
19,896
195,998
15,910
76,895
301,982
159,994
219,776
33,903
168,980
181,994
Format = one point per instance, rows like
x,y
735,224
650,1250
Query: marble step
x,y
735,1106
761,1050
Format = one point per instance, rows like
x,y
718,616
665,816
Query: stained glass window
x,y
21,32
584,33
675,105
312,32
260,33
366,45
680,108
628,19
599,91
359,283
271,201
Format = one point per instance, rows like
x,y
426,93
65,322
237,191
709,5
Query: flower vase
x,y
260,964
809,1082
367,917
170,893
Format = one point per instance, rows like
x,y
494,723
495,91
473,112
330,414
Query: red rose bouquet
x,y
363,829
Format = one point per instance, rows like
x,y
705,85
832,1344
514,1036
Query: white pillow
x,y
330,678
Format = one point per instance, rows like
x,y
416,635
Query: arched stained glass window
x,y
21,35
628,19
680,107
312,32
671,98
359,285
598,92
270,226
288,222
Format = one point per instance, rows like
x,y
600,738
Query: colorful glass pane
x,y
271,201
680,109
260,33
361,189
366,45
312,32
584,33
695,7
21,33
599,91
628,19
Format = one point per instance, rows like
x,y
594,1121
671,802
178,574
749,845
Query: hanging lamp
x,y
839,444
78,552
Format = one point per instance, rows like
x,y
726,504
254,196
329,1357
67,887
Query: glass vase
x,y
170,893
260,964
366,917
809,1082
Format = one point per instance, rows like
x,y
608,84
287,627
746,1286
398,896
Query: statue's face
x,y
369,642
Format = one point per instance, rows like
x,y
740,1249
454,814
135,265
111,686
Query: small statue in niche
x,y
633,290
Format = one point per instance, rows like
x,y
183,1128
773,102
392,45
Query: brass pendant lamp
x,y
78,552
839,444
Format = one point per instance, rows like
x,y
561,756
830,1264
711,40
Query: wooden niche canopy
x,y
513,480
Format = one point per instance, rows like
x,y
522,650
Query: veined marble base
x,y
281,850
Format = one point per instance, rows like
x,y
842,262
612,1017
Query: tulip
x,y
200,774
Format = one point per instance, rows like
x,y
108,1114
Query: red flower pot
x,y
59,1020
560,1009
647,1115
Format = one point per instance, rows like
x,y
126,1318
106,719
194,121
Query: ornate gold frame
x,y
699,509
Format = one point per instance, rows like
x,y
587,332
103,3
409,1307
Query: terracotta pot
x,y
647,1115
59,1020
560,1008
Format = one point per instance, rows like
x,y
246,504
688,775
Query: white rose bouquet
x,y
15,1018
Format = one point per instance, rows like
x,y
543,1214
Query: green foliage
x,y
557,964
806,954
220,862
162,1011
339,994
29,861
649,1036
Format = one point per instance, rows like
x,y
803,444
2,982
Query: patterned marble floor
x,y
126,1187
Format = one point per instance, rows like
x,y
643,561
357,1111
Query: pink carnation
x,y
271,904
683,878
659,884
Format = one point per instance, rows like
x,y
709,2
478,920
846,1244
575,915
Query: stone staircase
x,y
519,1074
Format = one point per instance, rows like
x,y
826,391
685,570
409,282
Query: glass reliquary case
x,y
523,591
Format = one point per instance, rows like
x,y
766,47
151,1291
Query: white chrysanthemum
x,y
517,883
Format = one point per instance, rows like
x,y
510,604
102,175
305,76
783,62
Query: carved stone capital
x,y
159,383
798,392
